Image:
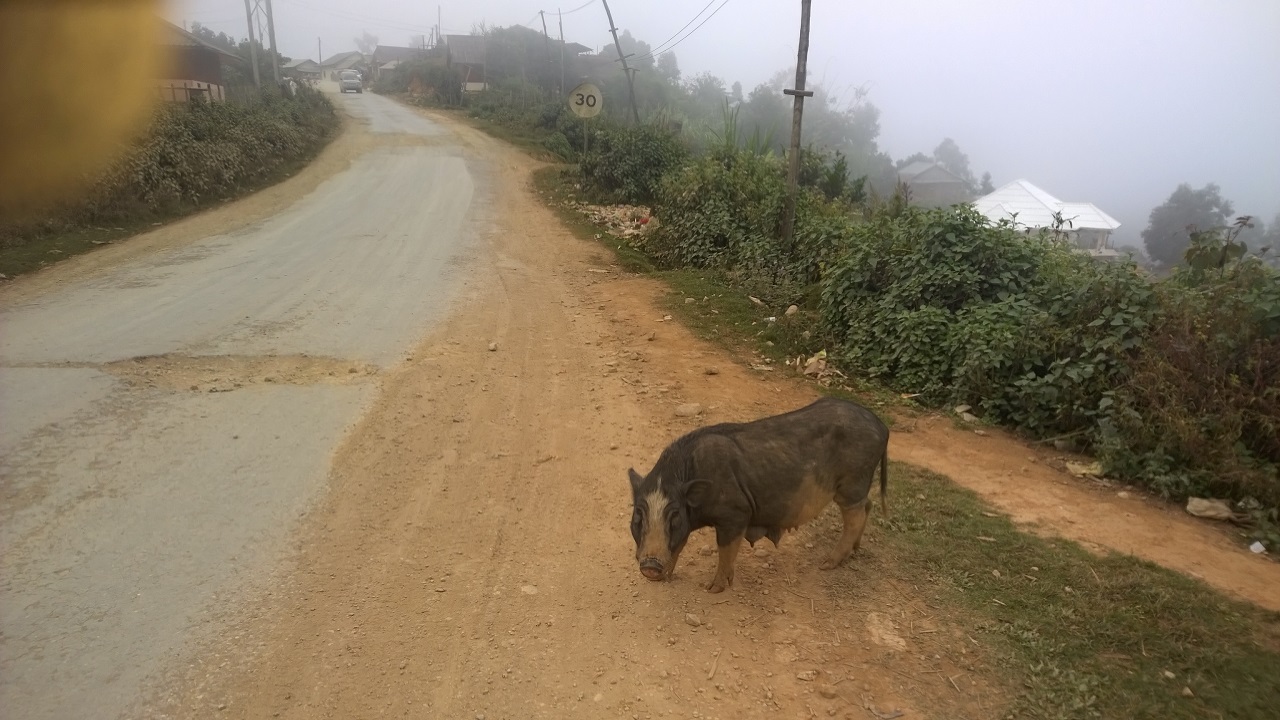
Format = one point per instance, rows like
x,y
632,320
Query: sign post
x,y
586,102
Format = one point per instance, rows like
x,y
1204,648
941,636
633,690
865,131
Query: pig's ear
x,y
697,492
636,480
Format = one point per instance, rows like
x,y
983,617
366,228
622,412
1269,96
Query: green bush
x,y
1201,411
940,303
194,154
627,164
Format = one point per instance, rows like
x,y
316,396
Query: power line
x,y
691,32
663,44
584,6
359,18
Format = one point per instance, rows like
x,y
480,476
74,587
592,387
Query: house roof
x,y
576,48
351,56
174,36
466,49
926,173
1035,208
302,64
386,53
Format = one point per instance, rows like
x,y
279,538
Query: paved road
x,y
166,421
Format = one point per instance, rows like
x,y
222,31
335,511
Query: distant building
x,y
386,54
468,54
335,64
194,67
1084,224
933,186
303,69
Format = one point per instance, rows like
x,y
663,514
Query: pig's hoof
x,y
831,563
717,586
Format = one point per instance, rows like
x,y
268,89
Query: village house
x,y
933,186
194,67
1084,225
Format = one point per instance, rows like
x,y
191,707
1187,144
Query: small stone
x,y
404,664
1186,692
792,310
1123,494
479,716
528,589
962,409
689,410
598,697
711,371
827,692
761,551
689,301
652,336
807,675
352,370
692,620
493,347
968,417
704,551
1169,675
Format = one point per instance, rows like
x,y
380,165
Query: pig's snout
x,y
652,569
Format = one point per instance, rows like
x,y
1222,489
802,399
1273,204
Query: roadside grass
x,y
1080,635
1073,634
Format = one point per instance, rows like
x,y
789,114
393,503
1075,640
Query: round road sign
x,y
585,101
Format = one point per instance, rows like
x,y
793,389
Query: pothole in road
x,y
225,373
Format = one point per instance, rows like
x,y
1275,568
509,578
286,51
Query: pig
x,y
754,480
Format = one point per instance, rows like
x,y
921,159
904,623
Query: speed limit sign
x,y
585,101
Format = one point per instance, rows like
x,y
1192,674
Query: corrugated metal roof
x,y
1035,208
466,49
342,57
175,36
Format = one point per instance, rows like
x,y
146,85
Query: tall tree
x,y
366,43
949,156
1169,228
985,187
638,49
668,67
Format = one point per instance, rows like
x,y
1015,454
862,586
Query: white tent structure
x,y
1030,207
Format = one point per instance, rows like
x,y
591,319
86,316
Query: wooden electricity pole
x,y
560,17
253,48
275,56
797,114
545,36
631,86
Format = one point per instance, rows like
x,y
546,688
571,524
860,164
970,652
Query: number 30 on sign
x,y
585,101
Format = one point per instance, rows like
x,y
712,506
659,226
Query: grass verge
x,y
1074,635
1080,635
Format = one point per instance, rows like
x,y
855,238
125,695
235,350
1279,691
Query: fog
x,y
1110,102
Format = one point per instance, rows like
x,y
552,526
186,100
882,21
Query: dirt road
x,y
470,558
168,414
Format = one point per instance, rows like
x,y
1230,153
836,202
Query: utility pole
x,y
631,86
561,18
253,47
319,52
545,36
275,55
793,166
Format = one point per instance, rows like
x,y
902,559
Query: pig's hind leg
x,y
855,521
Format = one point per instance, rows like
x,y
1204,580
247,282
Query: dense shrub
x,y
1201,411
194,154
428,80
626,164
722,211
940,303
